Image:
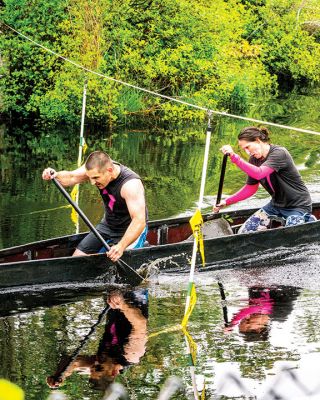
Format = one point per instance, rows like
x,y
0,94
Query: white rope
x,y
223,113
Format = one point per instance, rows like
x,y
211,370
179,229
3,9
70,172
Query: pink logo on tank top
x,y
112,199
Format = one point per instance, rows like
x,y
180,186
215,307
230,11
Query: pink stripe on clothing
x,y
251,170
265,309
114,334
269,182
244,193
112,199
262,305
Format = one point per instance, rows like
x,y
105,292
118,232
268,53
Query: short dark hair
x,y
98,159
251,133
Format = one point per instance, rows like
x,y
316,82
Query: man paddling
x,y
124,223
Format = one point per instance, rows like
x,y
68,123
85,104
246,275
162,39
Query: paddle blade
x,y
127,274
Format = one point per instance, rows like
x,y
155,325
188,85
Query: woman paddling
x,y
273,167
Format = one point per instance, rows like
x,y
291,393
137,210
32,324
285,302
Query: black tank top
x,y
117,215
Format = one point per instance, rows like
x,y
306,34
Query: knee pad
x,y
295,220
257,222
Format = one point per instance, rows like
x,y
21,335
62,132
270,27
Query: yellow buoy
x,y
10,391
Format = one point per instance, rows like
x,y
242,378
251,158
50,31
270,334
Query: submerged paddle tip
x,y
148,271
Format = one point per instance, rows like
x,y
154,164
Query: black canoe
x,y
168,248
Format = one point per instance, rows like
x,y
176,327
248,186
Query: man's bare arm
x,y
66,178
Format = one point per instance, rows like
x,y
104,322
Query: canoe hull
x,y
50,261
67,269
228,251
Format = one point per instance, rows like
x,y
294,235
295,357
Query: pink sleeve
x,y
244,193
265,309
251,170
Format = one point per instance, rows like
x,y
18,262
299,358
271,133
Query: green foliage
x,y
287,48
83,43
218,55
28,70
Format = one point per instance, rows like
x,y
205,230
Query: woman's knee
x,y
295,220
259,221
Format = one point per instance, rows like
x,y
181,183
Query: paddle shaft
x,y
222,173
120,263
80,212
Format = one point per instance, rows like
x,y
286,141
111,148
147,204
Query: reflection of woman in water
x,y
123,342
265,304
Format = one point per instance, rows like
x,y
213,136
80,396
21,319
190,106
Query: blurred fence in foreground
x,y
286,385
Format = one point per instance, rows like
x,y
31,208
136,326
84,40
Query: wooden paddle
x,y
222,173
134,278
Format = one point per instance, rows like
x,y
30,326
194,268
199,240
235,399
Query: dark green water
x,y
33,340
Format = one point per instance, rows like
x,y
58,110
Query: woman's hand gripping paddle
x,y
133,277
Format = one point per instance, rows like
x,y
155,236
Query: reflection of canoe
x,y
23,299
50,261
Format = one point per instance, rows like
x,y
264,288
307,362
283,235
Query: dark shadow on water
x,y
29,298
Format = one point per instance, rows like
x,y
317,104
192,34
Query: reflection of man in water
x,y
265,304
123,342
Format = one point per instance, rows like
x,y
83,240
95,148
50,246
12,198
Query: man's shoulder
x,y
128,172
132,188
132,183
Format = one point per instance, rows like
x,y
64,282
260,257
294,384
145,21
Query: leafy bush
x,y
218,55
